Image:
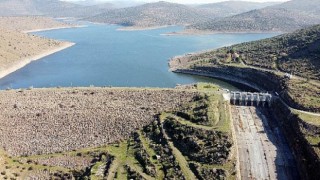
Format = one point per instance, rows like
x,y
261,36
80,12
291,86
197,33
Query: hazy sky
x,y
192,1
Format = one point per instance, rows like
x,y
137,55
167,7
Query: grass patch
x,y
313,140
308,118
208,87
152,153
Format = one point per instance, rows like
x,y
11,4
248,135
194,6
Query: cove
x,y
104,56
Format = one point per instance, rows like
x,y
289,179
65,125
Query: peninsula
x,y
18,49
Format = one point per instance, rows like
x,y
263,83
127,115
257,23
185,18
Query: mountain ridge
x,y
261,20
151,14
284,17
53,8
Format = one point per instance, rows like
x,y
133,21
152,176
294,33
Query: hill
x,y
297,53
115,133
30,23
261,20
269,60
230,8
151,15
18,49
308,6
53,8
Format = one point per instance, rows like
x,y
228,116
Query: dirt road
x,y
263,150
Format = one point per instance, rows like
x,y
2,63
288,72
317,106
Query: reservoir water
x,y
104,56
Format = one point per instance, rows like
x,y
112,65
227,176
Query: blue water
x,y
104,56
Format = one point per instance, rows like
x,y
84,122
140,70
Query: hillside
x,y
308,6
269,59
53,8
17,49
29,23
230,8
261,20
297,53
150,15
115,133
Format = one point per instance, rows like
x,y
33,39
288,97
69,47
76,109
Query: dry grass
x,y
308,118
27,23
45,121
304,94
16,46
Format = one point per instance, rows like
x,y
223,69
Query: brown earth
x,y
18,49
30,23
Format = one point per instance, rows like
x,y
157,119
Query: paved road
x,y
263,150
314,82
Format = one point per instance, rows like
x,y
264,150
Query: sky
x,y
191,1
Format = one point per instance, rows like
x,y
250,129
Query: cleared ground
x,y
263,151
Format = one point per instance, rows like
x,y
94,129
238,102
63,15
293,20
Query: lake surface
x,y
104,56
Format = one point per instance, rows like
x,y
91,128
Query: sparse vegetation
x,y
295,53
27,23
25,47
151,15
53,8
150,152
260,20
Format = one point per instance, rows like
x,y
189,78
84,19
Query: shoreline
x,y
199,32
23,62
54,28
137,28
219,76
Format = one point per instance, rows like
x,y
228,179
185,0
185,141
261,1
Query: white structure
x,y
250,98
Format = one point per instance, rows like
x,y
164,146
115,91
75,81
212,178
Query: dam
x,y
249,98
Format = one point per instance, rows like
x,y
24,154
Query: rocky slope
x,y
78,118
129,133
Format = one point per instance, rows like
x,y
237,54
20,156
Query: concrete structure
x,y
250,98
263,152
